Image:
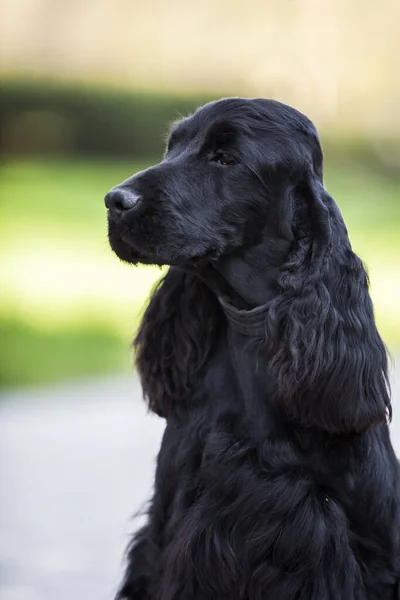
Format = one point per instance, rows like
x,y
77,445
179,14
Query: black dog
x,y
276,478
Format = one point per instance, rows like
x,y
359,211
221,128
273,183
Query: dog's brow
x,y
220,133
178,133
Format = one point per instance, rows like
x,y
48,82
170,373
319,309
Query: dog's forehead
x,y
194,130
251,109
251,124
211,119
243,114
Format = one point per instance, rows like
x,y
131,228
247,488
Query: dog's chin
x,y
125,251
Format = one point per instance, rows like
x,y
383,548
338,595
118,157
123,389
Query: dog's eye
x,y
224,159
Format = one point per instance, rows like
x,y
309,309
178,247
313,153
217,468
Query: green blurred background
x,y
87,91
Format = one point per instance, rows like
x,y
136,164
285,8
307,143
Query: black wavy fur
x,y
276,477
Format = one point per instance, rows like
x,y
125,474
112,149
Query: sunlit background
x,y
87,91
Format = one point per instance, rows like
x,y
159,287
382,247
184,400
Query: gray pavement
x,y
76,463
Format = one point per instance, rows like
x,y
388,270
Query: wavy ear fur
x,y
324,349
175,339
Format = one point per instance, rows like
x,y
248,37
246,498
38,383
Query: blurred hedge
x,y
42,118
59,119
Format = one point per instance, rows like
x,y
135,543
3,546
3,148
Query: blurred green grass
x,y
69,308
32,356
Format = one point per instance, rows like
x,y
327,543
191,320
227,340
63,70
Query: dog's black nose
x,y
120,200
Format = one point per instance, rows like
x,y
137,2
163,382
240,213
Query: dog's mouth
x,y
126,247
159,237
121,243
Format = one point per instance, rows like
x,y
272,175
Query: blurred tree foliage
x,y
47,119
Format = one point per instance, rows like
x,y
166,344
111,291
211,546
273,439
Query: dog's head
x,y
218,187
238,176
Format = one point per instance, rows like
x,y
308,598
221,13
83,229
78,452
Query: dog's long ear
x,y
325,351
175,339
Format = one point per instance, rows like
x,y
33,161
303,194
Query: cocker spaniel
x,y
276,477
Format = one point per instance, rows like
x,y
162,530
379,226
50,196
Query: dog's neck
x,y
246,280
